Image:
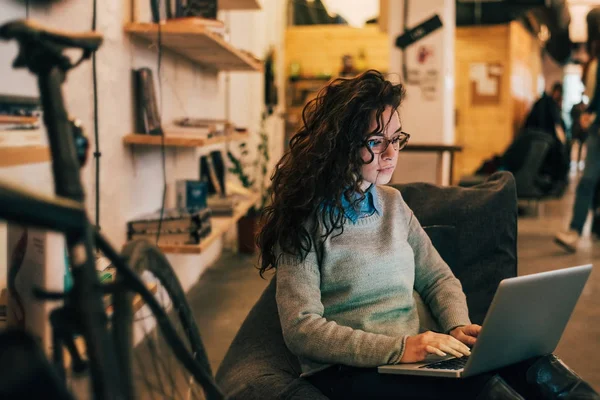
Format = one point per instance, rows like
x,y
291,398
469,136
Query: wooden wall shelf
x,y
233,5
181,140
17,119
197,43
220,225
11,156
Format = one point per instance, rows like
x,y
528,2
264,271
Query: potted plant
x,y
252,174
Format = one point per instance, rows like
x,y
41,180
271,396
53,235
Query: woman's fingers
x,y
454,347
472,330
459,346
433,350
469,340
466,339
446,348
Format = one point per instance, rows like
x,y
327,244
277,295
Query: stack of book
x,y
223,206
20,122
179,226
202,127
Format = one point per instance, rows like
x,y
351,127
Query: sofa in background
x,y
474,229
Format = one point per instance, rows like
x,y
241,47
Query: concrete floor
x,y
227,291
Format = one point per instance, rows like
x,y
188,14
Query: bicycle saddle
x,y
29,31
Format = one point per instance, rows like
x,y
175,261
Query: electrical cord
x,y
97,152
27,9
162,136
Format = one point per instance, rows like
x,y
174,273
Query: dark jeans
x,y
587,184
342,382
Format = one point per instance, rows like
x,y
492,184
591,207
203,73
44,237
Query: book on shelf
x,y
190,132
20,122
211,24
199,122
22,137
174,238
8,121
173,219
224,205
210,127
147,115
20,106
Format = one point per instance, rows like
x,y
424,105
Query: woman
x,y
349,252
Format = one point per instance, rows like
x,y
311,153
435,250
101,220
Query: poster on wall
x,y
426,76
485,82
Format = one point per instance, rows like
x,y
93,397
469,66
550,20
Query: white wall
x,y
356,12
131,179
428,118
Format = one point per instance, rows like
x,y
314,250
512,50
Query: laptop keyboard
x,y
451,364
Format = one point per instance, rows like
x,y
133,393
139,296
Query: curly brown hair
x,y
323,163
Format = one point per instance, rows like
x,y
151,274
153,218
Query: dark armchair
x,y
474,230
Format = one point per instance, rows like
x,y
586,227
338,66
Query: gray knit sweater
x,y
357,307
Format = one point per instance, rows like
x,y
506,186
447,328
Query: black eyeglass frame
x,y
402,141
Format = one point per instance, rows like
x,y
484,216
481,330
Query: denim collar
x,y
366,207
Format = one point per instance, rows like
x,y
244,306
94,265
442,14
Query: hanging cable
x,y
27,9
97,152
162,138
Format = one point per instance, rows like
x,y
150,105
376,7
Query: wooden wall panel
x,y
319,48
486,130
482,130
526,60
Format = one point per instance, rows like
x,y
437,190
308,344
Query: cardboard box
x,y
34,258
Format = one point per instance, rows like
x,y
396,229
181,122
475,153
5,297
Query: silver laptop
x,y
526,319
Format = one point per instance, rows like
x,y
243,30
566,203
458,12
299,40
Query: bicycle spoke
x,y
162,301
144,373
168,341
153,356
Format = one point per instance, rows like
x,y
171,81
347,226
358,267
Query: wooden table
x,y
440,149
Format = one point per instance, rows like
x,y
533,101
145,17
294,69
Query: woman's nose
x,y
388,154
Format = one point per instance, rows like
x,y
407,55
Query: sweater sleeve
x,y
308,334
434,279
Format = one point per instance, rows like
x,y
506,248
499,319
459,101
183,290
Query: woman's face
x,y
380,170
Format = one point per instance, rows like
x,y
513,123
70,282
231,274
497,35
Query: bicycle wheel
x,y
155,371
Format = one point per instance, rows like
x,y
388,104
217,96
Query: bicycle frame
x,y
83,308
67,214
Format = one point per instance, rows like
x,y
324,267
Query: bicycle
x,y
108,340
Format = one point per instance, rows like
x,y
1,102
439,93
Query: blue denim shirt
x,y
365,208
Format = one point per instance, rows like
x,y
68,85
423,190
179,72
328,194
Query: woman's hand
x,y
467,333
419,346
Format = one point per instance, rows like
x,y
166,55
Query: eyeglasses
x,y
380,144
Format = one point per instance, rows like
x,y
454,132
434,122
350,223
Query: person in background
x,y
578,134
589,122
546,116
349,253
